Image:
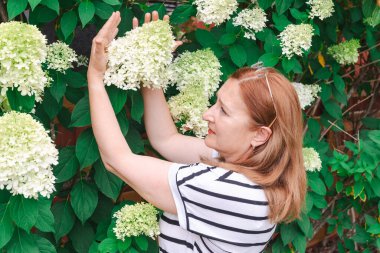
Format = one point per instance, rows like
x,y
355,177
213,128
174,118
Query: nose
x,y
208,115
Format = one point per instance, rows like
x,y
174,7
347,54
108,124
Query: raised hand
x,y
99,57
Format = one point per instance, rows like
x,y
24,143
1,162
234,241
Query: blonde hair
x,y
277,165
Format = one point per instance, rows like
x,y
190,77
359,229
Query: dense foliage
x,y
334,44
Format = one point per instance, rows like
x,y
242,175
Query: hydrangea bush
x,y
329,49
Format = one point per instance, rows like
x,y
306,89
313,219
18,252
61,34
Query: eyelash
x,y
223,110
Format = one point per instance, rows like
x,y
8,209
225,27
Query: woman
x,y
221,194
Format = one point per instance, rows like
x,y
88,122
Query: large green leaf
x,y
34,3
6,225
86,148
22,242
287,232
137,109
44,245
84,198
81,114
64,218
18,102
81,237
227,39
75,79
300,242
69,22
45,220
304,223
108,245
333,108
51,4
123,122
238,54
58,87
86,12
283,5
117,97
103,10
182,13
108,183
15,7
112,2
23,211
269,59
205,38
159,7
67,166
50,105
316,184
142,242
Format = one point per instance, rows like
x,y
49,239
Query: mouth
x,y
210,131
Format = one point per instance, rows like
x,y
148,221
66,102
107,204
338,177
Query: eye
x,y
223,111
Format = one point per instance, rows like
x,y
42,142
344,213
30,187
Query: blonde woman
x,y
224,193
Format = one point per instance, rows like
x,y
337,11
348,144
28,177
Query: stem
x,y
3,12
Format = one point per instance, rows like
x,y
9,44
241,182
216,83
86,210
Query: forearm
x,y
158,121
105,126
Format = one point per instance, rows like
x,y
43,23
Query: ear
x,y
261,136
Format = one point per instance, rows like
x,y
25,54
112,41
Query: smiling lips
x,y
210,131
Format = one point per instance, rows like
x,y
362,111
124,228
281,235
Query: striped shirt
x,y
218,210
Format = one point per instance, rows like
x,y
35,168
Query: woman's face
x,y
229,124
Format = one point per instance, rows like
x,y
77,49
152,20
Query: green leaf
x,y
227,39
374,135
367,7
142,242
375,185
182,13
58,87
269,59
124,245
238,55
280,21
265,4
51,4
318,201
102,10
159,7
333,109
304,223
68,23
81,237
358,188
134,140
326,92
86,148
22,242
50,105
84,198
287,64
339,83
108,183
339,186
6,225
298,14
287,232
42,14
44,245
18,102
137,109
374,229
34,3
205,38
86,12
317,185
309,202
75,79
45,220
123,122
299,243
108,245
23,211
67,166
117,97
81,114
64,218
283,5
15,7
112,2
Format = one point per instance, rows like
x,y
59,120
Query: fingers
x,y
166,17
147,18
110,25
135,23
155,15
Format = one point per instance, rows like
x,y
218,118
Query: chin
x,y
209,143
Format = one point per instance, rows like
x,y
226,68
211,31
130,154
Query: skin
x,y
229,134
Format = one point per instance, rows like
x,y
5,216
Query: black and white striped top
x,y
218,211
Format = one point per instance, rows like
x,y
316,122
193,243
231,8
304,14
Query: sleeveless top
x,y
218,210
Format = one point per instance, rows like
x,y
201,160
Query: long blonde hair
x,y
276,165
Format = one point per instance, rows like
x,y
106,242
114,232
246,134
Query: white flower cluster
x,y
135,220
141,57
26,156
187,109
346,52
199,68
311,159
22,52
295,39
60,57
215,11
321,8
306,93
252,20
197,75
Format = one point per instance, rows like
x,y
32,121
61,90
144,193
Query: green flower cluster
x,y
22,52
311,159
60,57
135,220
346,52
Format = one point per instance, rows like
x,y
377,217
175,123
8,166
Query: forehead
x,y
230,95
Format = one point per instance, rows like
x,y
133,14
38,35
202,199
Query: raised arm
x,y
147,175
162,133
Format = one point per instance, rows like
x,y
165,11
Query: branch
x,y
3,12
